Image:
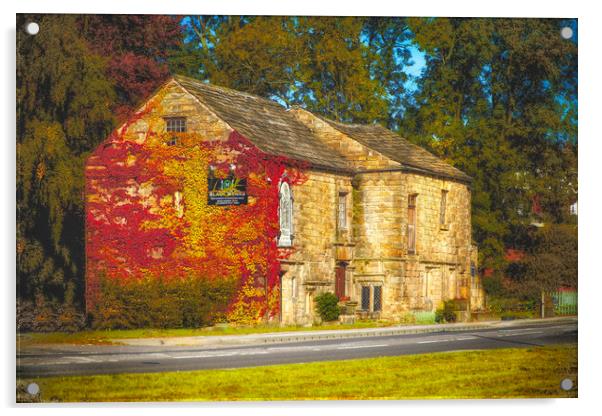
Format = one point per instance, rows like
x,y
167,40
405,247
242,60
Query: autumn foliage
x,y
136,48
147,215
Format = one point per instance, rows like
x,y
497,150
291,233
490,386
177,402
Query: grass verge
x,y
504,373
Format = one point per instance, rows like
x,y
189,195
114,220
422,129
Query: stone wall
x,y
440,267
374,248
317,244
173,101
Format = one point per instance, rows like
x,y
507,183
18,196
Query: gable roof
x,y
276,131
265,123
398,149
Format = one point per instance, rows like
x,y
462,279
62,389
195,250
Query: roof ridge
x,y
210,86
328,120
402,141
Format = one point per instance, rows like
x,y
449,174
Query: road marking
x,y
520,330
183,357
429,342
519,333
81,359
352,347
252,353
302,348
229,354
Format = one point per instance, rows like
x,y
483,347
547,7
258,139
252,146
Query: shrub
x,y
446,313
157,302
407,318
512,306
328,307
70,319
494,285
45,316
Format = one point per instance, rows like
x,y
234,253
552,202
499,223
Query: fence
x,y
565,302
561,302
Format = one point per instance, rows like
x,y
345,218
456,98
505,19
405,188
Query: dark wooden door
x,y
339,283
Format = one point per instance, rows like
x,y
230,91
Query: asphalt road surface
x,y
114,359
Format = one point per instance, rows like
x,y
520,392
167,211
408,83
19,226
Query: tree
x,y
390,40
498,100
63,111
551,262
72,79
348,69
136,48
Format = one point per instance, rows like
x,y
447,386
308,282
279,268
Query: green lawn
x,y
504,373
106,336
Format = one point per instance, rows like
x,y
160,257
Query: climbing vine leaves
x,y
147,213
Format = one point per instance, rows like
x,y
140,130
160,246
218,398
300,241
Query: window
x,y
412,224
309,303
377,303
285,213
175,124
372,298
454,285
339,282
365,298
442,208
178,204
342,217
293,287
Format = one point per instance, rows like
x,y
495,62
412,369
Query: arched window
x,y
285,213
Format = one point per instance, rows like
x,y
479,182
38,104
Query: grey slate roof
x,y
398,149
275,131
267,124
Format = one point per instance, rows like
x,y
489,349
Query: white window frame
x,y
176,124
342,211
285,215
178,204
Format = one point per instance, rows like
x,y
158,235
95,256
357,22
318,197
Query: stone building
x,y
380,222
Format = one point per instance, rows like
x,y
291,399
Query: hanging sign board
x,y
227,191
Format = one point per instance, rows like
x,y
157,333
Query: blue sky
x,y
415,70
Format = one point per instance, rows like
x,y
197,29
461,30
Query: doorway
x,y
340,281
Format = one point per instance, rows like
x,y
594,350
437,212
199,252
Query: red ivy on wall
x,y
137,226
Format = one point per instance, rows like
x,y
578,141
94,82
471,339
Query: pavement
x,y
236,351
315,335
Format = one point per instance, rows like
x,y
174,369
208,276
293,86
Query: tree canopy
x,y
498,100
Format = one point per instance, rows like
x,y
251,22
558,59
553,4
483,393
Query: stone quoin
x,y
380,222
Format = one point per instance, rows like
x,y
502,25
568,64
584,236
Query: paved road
x,y
114,359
